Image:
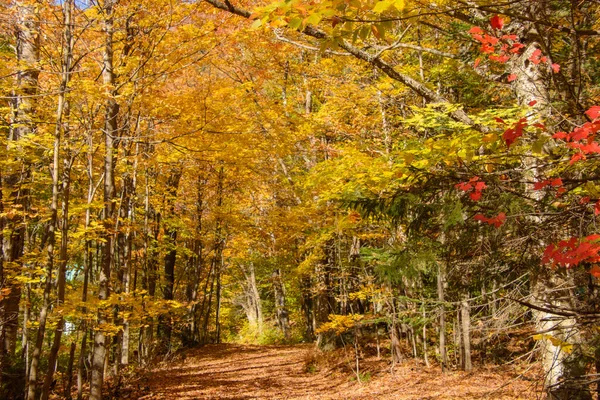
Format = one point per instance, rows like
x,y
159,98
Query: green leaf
x,y
295,23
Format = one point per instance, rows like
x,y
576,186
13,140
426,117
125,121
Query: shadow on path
x,y
240,372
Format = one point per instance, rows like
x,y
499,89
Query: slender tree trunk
x,y
465,319
282,312
63,110
441,278
13,224
87,268
425,356
198,261
165,324
110,134
252,304
69,383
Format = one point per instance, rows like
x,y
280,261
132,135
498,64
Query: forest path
x,y
241,372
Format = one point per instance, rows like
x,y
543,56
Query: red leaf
x,y
540,185
476,30
498,220
516,47
593,238
501,59
496,22
597,208
536,56
480,217
555,68
479,38
487,48
510,37
591,148
475,196
512,77
476,63
499,120
532,103
479,186
595,271
464,186
593,112
584,200
556,182
491,40
576,157
559,135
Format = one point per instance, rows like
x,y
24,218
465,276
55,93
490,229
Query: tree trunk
x,y
252,304
12,220
165,324
110,134
282,312
441,279
465,319
63,110
69,383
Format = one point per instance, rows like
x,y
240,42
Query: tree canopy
x,y
177,173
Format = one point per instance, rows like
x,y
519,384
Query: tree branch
x,y
416,86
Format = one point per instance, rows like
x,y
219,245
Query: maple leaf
x,y
464,186
476,30
487,48
496,22
475,196
479,186
591,148
532,103
512,77
516,47
536,56
496,221
480,217
597,208
540,185
560,135
576,157
593,112
595,271
501,59
555,68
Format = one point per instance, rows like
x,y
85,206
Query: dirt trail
x,y
279,372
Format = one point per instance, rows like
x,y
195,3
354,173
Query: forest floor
x,y
243,372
